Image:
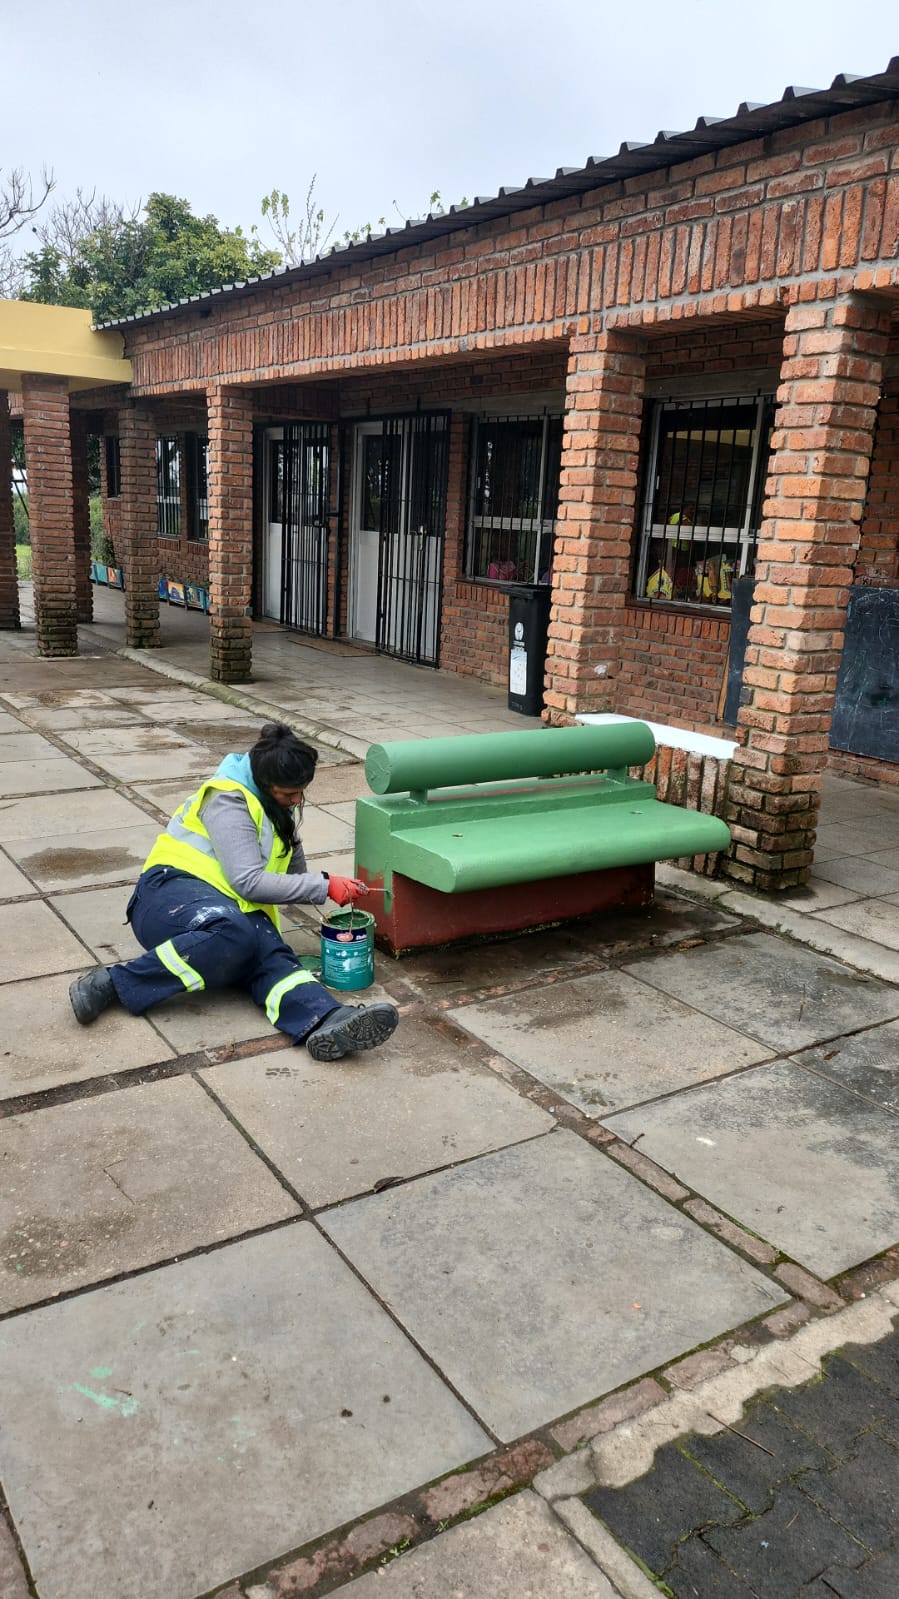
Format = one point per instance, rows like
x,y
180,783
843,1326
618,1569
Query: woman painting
x,y
206,904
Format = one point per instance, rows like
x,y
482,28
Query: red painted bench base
x,y
421,917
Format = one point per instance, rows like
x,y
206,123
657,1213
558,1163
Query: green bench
x,y
496,832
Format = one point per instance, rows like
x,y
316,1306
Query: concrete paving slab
x,y
342,810
92,812
514,1550
166,1433
810,1167
858,873
196,1022
10,724
877,919
152,690
12,883
54,775
165,796
194,708
35,942
129,741
333,783
98,917
543,1276
54,699
444,974
868,1063
58,1051
324,834
76,860
22,746
787,996
886,857
817,895
335,1130
185,760
608,1040
71,718
107,1185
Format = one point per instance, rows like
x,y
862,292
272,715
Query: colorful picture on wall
x,y
193,596
176,593
115,577
162,588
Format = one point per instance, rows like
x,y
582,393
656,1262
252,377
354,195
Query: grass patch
x,y
23,561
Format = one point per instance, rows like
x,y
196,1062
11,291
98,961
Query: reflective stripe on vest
x,y
275,995
179,967
186,845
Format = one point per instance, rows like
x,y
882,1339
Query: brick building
x,y
664,388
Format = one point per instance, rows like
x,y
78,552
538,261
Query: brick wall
x,y
878,556
832,371
48,453
729,233
9,587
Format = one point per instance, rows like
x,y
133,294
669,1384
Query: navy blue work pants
x,y
197,938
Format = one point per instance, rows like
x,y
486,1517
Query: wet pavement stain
x,y
80,862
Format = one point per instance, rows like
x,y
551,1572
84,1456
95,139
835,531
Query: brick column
x,y
597,516
81,519
48,463
9,586
824,429
230,418
138,537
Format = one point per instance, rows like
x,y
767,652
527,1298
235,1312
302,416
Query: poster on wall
x,y
866,713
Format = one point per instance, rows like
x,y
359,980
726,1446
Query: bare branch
x,y
73,221
17,199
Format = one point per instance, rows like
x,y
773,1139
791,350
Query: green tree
x,y
122,264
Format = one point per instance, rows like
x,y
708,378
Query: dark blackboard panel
x,y
866,715
740,607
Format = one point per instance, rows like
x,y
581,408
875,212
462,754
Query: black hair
x,y
279,759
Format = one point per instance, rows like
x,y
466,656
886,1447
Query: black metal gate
x,y
412,523
306,527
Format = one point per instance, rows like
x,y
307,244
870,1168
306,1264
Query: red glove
x,y
343,890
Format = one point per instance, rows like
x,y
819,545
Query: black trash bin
x,y
528,629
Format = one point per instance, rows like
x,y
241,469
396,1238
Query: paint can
x,y
348,950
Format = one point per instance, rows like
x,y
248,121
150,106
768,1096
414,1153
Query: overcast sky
x,y
388,100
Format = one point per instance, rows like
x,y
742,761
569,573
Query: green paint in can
x,y
348,950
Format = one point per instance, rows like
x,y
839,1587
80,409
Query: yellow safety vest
x,y
186,845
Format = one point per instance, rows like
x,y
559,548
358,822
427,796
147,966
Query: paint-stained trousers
x,y
197,938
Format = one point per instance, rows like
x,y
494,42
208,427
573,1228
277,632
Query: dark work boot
x,y
350,1028
92,993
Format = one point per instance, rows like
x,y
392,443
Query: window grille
x,y
168,488
113,467
196,461
702,499
514,498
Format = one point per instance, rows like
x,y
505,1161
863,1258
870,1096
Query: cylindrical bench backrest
x,y
420,764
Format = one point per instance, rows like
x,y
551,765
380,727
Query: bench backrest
x,y
417,765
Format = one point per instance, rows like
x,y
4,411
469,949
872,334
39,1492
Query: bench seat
x,y
548,838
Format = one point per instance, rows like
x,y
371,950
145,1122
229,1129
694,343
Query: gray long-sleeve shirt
x,y
236,843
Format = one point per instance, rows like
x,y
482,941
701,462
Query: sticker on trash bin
x,y
518,671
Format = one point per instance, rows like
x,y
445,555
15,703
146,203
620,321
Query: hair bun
x,y
274,732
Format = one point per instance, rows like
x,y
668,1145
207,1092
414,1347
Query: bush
x,y
101,546
20,518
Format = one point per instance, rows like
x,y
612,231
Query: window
x,y
168,488
113,467
703,497
196,465
514,498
